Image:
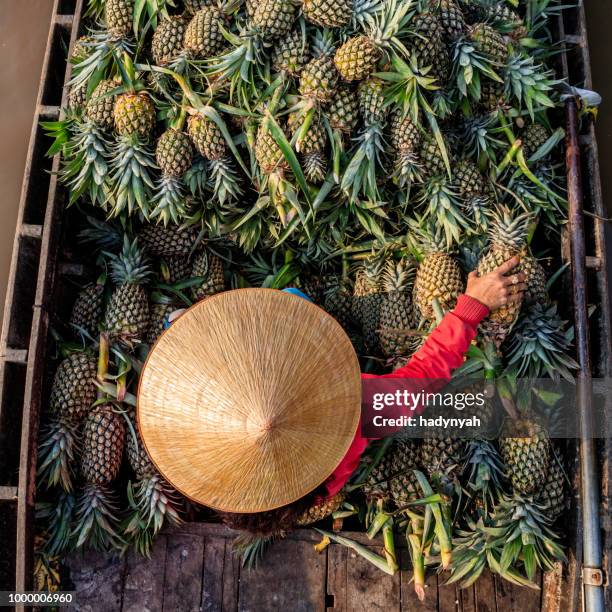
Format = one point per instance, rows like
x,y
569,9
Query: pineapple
x,y
536,281
77,98
127,314
73,390
490,42
290,53
533,137
97,510
318,79
507,237
396,312
203,35
429,47
118,15
469,180
163,241
174,154
358,57
273,17
491,95
210,267
134,113
174,268
312,147
328,13
268,154
158,319
368,299
87,308
101,105
193,6
103,442
405,140
432,161
320,510
438,276
343,110
441,457
552,495
206,137
527,457
168,40
371,101
451,18
338,303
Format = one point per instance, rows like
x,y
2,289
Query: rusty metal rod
x,y
591,538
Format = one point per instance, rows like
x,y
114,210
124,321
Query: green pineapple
x,y
203,35
358,57
290,53
168,40
492,95
97,509
163,241
127,314
158,319
432,161
396,311
552,496
405,140
210,267
118,15
134,113
438,276
533,137
87,309
490,42
328,13
73,390
268,154
507,238
368,299
274,17
526,456
343,110
338,302
100,107
451,18
429,47
318,79
174,154
207,137
442,457
468,178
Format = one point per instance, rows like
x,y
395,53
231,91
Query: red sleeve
x,y
443,352
447,344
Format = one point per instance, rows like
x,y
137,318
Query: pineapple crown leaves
x,y
130,266
509,228
530,84
468,65
444,207
324,42
486,470
399,275
426,238
539,345
526,534
365,13
250,549
389,24
105,236
57,515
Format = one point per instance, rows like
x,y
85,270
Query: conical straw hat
x,y
250,400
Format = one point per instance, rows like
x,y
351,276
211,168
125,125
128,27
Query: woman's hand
x,y
495,289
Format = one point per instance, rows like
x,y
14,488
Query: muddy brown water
x,y
23,35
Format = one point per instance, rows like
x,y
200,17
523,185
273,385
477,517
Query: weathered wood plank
x,y
212,576
551,589
289,562
409,599
448,596
467,598
98,579
367,588
336,578
484,591
231,578
513,598
144,580
183,580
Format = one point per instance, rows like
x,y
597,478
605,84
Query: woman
x,y
247,435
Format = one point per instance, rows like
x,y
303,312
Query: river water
x,y
23,36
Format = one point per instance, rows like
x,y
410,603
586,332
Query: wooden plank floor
x,y
193,569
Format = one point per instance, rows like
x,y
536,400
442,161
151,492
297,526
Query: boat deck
x,y
192,568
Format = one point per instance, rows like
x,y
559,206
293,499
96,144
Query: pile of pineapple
x,y
371,152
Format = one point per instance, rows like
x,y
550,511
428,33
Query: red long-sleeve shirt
x,y
443,352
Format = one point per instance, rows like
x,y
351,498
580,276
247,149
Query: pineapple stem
x,y
418,565
389,543
510,155
103,360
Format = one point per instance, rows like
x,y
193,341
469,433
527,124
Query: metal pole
x,y
592,577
